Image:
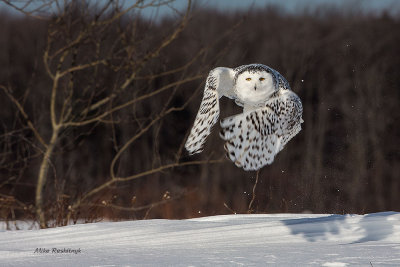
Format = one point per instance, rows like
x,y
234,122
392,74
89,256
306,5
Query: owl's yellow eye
x,y
248,79
262,79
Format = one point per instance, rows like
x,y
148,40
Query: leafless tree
x,y
84,44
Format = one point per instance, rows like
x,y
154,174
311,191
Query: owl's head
x,y
254,85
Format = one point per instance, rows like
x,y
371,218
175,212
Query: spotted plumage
x,y
271,114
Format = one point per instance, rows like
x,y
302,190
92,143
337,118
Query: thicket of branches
x,y
91,101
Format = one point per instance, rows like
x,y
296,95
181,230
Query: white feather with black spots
x,y
272,114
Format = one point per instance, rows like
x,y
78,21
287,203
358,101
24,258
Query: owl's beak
x,y
255,87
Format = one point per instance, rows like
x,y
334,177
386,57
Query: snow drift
x,y
230,240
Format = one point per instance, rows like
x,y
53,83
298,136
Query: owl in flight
x,y
272,114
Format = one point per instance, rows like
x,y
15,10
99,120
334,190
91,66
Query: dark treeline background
x,y
344,66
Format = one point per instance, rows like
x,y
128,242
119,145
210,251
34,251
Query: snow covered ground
x,y
228,240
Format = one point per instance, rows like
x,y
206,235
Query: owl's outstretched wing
x,y
219,83
254,138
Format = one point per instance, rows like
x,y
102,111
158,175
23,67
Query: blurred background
x,y
98,97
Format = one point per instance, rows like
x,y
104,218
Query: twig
x,y
250,210
130,102
25,115
231,210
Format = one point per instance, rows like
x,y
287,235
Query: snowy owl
x,y
272,114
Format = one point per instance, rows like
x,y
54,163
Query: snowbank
x,y
230,240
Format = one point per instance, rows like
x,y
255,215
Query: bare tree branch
x,y
25,115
